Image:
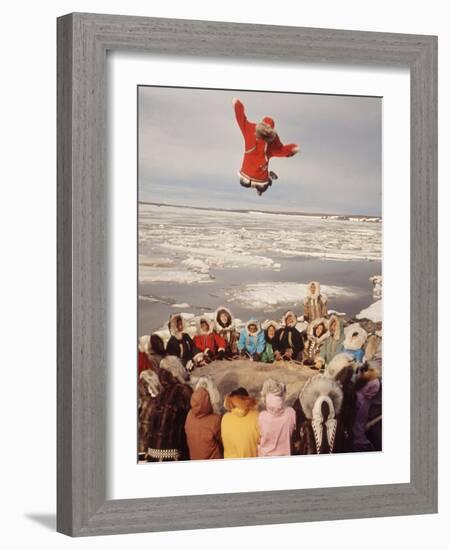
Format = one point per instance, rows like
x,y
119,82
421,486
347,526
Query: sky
x,y
191,148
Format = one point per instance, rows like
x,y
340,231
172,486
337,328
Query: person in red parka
x,y
207,340
261,143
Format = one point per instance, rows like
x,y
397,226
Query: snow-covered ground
x,y
185,245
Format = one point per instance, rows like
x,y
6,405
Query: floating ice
x,y
273,295
166,275
194,242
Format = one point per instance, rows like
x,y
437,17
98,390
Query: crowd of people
x,y
337,410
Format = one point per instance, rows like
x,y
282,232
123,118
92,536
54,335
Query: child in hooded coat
x,y
334,344
270,328
288,343
239,426
207,340
355,338
277,422
252,340
317,334
226,333
181,345
203,428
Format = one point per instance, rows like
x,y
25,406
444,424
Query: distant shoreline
x,y
283,212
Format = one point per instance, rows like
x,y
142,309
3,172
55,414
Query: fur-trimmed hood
x,y
172,325
286,314
340,362
311,330
209,322
355,337
218,324
317,387
314,295
144,343
173,365
270,323
338,327
152,382
253,321
240,404
208,384
200,403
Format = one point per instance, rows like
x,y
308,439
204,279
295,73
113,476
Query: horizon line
x,y
247,210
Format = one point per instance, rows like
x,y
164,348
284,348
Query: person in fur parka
x,y
261,143
226,332
355,338
315,303
207,340
161,423
181,345
270,328
317,429
367,388
342,369
317,334
252,340
288,343
334,344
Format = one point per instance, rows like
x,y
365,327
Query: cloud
x,y
190,148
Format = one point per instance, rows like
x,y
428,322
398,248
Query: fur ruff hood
x,y
152,382
240,404
144,343
317,387
338,327
208,384
210,324
311,329
355,337
284,317
173,365
340,362
317,293
172,325
218,324
253,321
267,324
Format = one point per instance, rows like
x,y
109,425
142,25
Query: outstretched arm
x,y
240,115
277,149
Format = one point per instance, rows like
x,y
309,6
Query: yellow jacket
x,y
239,427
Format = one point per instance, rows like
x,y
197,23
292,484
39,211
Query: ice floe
x,y
180,244
273,295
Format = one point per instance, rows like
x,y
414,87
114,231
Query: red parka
x,y
258,151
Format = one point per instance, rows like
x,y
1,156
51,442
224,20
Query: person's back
x,y
239,426
276,426
203,428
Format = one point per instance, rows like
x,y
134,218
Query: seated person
x,y
226,332
288,343
355,338
317,333
206,340
270,328
252,340
181,345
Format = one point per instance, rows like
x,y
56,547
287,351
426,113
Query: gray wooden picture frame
x,y
83,40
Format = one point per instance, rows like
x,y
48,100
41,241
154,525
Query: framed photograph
x,y
247,281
